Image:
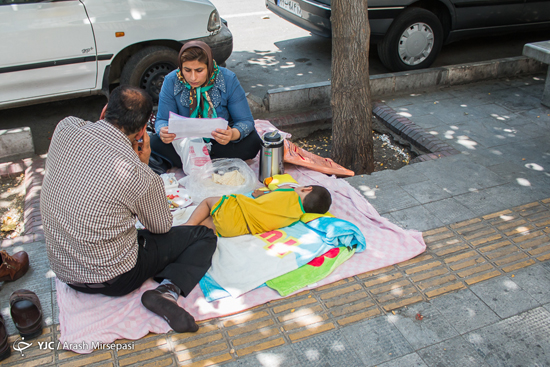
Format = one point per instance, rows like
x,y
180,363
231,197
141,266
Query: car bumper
x,y
220,43
314,18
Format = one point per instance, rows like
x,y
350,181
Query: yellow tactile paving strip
x,y
457,256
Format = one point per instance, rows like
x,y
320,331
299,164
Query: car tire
x,y
413,41
147,68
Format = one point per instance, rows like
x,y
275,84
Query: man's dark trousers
x,y
183,255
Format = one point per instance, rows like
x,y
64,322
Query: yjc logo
x,y
21,345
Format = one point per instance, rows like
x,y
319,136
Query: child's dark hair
x,y
317,201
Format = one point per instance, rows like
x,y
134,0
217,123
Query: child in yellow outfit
x,y
281,206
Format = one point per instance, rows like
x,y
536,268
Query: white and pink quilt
x,y
87,318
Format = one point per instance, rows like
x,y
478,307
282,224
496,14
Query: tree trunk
x,y
352,144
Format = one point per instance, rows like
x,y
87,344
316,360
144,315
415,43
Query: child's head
x,y
315,199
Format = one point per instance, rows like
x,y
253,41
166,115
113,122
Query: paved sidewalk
x,y
479,295
502,132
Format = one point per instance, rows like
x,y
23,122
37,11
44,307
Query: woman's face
x,y
195,72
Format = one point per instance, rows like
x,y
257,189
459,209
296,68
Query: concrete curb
x,y
300,124
413,133
16,143
317,95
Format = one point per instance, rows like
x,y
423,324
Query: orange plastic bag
x,y
301,157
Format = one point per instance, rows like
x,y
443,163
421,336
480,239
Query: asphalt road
x,y
268,52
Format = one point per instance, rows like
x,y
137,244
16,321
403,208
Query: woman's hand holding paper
x,y
223,137
165,136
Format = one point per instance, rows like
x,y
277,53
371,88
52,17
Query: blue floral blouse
x,y
227,95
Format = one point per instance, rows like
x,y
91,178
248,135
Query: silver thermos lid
x,y
272,139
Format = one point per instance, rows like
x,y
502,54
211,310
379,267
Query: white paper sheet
x,y
186,127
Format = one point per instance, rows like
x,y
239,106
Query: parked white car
x,y
53,50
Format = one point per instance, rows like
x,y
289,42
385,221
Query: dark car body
x,y
458,18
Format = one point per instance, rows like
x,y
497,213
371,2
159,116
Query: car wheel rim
x,y
153,78
416,43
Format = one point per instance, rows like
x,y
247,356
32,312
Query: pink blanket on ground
x,y
87,318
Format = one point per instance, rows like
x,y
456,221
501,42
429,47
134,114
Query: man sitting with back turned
x,y
97,182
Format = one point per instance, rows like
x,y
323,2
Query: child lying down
x,y
236,215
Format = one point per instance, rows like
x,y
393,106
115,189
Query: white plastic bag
x,y
193,153
169,180
200,184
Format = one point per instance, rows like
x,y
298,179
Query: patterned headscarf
x,y
200,104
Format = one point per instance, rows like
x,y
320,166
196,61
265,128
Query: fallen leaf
x,y
8,225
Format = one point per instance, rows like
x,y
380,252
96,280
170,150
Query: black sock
x,y
166,286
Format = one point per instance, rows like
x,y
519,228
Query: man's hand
x,y
223,137
165,136
143,148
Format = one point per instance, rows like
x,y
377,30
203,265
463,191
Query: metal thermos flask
x,y
271,157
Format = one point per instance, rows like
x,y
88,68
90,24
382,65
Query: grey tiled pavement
x,y
499,322
503,134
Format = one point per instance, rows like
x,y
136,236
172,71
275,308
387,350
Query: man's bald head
x,y
129,109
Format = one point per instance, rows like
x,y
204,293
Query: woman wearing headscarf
x,y
199,88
